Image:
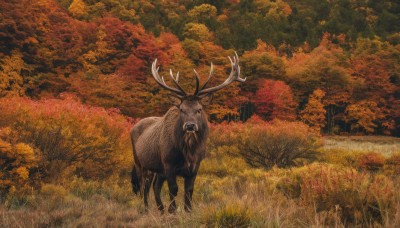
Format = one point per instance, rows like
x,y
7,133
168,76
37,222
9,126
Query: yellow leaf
x,y
22,172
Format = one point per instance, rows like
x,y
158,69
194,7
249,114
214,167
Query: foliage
x,y
359,197
68,66
78,9
17,160
392,165
12,80
265,145
202,13
371,162
374,67
69,139
198,32
262,63
313,113
113,91
363,115
323,68
102,51
274,100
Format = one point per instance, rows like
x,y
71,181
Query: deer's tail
x,y
135,175
135,180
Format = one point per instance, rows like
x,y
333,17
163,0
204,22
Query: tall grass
x,y
339,187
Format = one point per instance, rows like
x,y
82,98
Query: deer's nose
x,y
190,126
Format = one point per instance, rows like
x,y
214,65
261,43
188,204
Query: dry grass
x,y
228,193
232,205
379,144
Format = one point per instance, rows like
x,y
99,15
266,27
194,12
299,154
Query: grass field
x,y
229,193
380,144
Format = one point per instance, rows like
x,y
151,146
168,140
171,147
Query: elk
x,y
175,144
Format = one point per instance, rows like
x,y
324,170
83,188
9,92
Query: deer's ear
x,y
206,99
175,100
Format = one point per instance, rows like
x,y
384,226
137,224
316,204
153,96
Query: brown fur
x,y
174,144
162,146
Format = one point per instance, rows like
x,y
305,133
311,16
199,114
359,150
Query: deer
x,y
175,144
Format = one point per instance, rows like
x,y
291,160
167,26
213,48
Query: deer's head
x,y
191,105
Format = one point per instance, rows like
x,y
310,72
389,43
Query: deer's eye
x,y
198,111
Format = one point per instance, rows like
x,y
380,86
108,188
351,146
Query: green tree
x,y
202,13
205,14
198,32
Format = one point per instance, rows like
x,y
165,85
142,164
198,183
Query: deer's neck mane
x,y
189,144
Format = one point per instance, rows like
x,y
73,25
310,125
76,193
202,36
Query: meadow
x,y
321,181
232,195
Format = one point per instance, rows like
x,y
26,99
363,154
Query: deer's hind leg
x,y
147,178
157,186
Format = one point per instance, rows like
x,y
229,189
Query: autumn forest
x,y
75,76
334,65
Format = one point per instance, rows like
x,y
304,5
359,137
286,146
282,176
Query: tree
x,y
78,9
113,91
16,160
314,113
375,66
325,67
202,13
274,99
205,14
12,69
370,65
195,31
262,63
363,116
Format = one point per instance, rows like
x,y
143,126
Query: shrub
x,y
360,197
16,161
56,191
51,197
69,138
265,144
371,161
392,165
84,189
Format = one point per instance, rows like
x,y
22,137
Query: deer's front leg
x,y
189,186
173,190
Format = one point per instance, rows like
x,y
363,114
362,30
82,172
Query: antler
x,y
209,76
198,81
160,80
234,76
